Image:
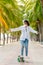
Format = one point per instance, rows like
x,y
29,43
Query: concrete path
x,y
10,52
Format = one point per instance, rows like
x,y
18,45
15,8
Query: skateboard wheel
x,y
18,59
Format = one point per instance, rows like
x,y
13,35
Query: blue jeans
x,y
24,44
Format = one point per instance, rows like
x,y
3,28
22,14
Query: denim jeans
x,y
24,44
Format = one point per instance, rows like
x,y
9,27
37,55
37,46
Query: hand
x,y
37,33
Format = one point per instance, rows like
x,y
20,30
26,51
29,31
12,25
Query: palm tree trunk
x,y
0,35
3,38
40,29
42,25
7,38
0,38
10,38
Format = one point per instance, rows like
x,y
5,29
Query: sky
x,y
19,2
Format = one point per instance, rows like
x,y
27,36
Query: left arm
x,y
32,30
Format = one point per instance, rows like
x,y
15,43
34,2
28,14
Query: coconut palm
x,y
13,12
33,11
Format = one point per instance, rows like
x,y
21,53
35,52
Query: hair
x,y
27,22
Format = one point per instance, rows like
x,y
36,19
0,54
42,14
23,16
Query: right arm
x,y
16,29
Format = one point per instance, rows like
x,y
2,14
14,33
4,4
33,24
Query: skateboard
x,y
20,59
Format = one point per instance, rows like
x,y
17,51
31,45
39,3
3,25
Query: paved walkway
x,y
10,52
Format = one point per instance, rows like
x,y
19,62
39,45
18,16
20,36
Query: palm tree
x,y
13,12
33,11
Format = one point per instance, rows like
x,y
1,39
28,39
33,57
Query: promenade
x,y
10,52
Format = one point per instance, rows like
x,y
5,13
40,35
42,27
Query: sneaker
x,y
20,59
26,58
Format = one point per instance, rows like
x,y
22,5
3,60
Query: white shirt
x,y
25,32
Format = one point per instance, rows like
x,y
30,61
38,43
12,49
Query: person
x,y
25,35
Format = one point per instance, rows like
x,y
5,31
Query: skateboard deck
x,y
21,59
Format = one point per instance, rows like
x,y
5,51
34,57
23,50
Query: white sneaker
x,y
26,58
21,56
